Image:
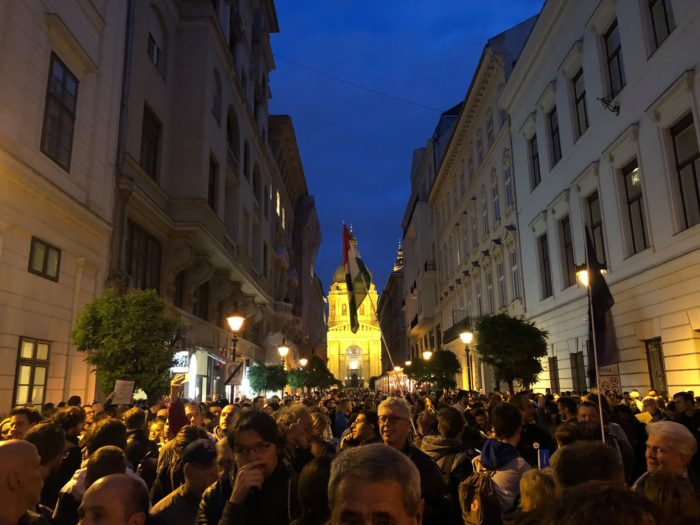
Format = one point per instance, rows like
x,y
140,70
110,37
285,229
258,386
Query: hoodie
x,y
449,454
509,466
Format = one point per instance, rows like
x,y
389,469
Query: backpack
x,y
479,501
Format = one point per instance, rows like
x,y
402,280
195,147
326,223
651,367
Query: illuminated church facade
x,y
352,358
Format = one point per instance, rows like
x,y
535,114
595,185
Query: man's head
x,y
21,420
670,446
462,398
117,499
345,406
650,405
104,462
259,402
199,465
226,416
365,426
20,477
193,412
295,424
585,461
481,418
526,407
588,418
394,422
507,423
71,419
74,401
450,423
374,483
89,414
566,407
50,441
106,432
134,419
684,402
215,411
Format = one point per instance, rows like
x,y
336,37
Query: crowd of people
x,y
356,456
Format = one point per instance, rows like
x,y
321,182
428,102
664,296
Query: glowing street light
x,y
427,355
467,337
408,363
582,274
303,362
235,322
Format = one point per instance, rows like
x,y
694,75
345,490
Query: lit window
x,y
32,372
44,259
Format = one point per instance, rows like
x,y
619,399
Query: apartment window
x,y
554,139
535,176
200,308
470,168
567,251
508,183
496,204
580,103
44,260
635,208
245,237
266,201
545,267
143,256
216,97
59,113
595,218
616,70
246,160
554,375
489,291
578,372
501,276
32,372
475,233
657,368
266,266
155,53
213,181
179,295
150,142
489,127
685,146
515,274
662,21
479,147
485,214
479,303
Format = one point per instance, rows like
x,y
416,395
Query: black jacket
x,y
433,490
138,446
274,504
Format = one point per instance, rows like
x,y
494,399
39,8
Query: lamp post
x,y
467,337
235,322
427,355
303,362
283,349
582,274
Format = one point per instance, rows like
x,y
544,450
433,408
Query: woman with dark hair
x,y
262,485
71,419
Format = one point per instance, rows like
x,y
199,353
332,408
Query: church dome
x,y
339,274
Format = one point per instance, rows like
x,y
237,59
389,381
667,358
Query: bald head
x,y
20,479
116,499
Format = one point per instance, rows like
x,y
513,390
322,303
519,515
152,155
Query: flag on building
x,y
357,277
600,301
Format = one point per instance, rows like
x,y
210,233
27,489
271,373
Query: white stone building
x,y
604,114
60,82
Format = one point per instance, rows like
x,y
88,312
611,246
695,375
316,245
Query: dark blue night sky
x,y
356,146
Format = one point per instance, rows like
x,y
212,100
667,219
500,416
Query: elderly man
x,y
20,483
374,483
115,499
394,427
670,447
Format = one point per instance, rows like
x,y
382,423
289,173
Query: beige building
x,y
353,358
604,111
60,78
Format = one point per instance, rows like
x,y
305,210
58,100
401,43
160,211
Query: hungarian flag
x,y
357,277
600,324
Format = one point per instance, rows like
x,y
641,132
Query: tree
x,y
439,370
513,347
263,378
418,370
298,378
319,375
128,336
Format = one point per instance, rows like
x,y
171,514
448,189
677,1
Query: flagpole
x,y
595,345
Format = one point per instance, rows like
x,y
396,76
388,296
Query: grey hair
x,y
290,414
396,402
677,433
376,463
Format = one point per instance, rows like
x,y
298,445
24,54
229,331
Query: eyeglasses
x,y
391,419
258,449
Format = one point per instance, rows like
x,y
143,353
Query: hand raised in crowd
x,y
249,476
176,386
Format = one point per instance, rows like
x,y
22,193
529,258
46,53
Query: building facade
x,y
60,78
604,113
353,358
390,312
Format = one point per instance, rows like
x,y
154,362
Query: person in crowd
x,y
500,455
321,427
481,420
652,413
533,437
313,492
364,430
461,402
71,419
115,499
259,402
425,426
566,406
262,485
674,496
295,424
138,446
103,462
199,467
5,428
193,413
21,420
224,459
567,433
20,483
375,481
50,441
670,447
585,461
538,490
687,415
394,428
155,432
225,417
342,417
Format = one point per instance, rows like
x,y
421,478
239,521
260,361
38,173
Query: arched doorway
x,y
354,376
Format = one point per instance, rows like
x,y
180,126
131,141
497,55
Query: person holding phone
x,y
262,485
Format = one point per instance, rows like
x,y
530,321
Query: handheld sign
x,y
123,391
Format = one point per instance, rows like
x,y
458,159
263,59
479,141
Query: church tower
x,y
352,358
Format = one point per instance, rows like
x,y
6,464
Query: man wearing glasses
x,y
394,428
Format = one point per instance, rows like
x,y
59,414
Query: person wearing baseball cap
x,y
199,467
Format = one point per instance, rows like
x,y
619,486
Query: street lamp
x,y
283,350
467,337
303,362
427,355
582,274
235,322
408,363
